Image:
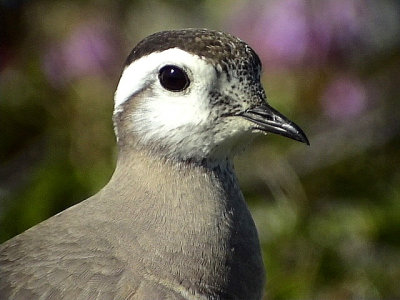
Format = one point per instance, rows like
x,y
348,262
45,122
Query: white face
x,y
179,119
167,109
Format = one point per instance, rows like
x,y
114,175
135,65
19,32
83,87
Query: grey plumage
x,y
172,222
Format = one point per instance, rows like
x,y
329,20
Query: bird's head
x,y
194,94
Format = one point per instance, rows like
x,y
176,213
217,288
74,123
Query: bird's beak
x,y
268,119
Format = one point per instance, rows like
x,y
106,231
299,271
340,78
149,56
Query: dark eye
x,y
173,78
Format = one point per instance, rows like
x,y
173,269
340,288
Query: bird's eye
x,y
173,78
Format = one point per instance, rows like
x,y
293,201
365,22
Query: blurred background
x,y
328,215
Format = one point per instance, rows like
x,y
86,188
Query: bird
x,y
172,222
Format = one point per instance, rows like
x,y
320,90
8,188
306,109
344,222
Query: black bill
x,y
268,119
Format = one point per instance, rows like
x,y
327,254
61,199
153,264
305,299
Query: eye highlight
x,y
173,78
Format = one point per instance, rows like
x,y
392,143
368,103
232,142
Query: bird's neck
x,y
137,163
181,204
195,212
209,182
188,198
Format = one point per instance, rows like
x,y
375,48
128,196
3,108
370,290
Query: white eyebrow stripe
x,y
139,72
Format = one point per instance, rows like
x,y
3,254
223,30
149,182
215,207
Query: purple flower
x,y
344,98
90,50
285,31
290,33
278,31
336,26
